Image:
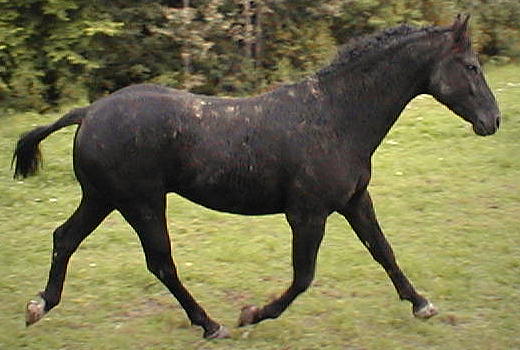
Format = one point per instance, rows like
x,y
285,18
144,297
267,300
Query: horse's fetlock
x,y
271,312
49,301
202,320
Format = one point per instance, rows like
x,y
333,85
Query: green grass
x,y
449,202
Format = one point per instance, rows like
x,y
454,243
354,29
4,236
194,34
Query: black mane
x,y
352,51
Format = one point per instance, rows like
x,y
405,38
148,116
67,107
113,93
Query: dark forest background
x,y
55,52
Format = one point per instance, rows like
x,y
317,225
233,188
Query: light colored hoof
x,y
220,333
427,311
34,311
248,315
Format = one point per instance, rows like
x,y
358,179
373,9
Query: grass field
x,y
448,200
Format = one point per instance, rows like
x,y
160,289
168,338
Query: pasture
x,y
448,201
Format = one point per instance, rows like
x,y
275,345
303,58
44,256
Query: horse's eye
x,y
471,67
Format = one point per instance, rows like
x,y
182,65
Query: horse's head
x,y
457,81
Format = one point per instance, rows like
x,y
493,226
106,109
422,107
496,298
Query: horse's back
x,y
215,151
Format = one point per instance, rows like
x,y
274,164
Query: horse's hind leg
x,y
147,217
307,232
66,240
361,216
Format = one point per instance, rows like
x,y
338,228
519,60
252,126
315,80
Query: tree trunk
x,y
185,53
248,29
258,32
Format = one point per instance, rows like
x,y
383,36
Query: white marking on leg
x,y
426,311
34,311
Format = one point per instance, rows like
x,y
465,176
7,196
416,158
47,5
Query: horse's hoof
x,y
426,311
248,315
34,311
220,333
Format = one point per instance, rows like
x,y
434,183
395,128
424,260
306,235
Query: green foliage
x,y
498,25
42,49
57,51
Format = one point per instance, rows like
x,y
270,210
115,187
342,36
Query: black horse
x,y
303,150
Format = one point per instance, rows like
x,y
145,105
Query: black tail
x,y
27,156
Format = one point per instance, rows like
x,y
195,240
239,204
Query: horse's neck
x,y
367,100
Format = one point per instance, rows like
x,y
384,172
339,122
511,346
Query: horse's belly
x,y
237,204
239,197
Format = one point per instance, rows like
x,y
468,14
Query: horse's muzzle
x,y
487,126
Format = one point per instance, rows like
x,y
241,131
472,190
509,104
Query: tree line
x,y
59,51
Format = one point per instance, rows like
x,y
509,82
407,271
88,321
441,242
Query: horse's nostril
x,y
497,122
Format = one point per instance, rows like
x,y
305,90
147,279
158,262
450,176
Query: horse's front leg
x,y
360,214
307,235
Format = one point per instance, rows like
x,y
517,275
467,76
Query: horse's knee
x,y
58,236
63,242
155,269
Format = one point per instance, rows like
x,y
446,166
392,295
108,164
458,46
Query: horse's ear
x,y
460,32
